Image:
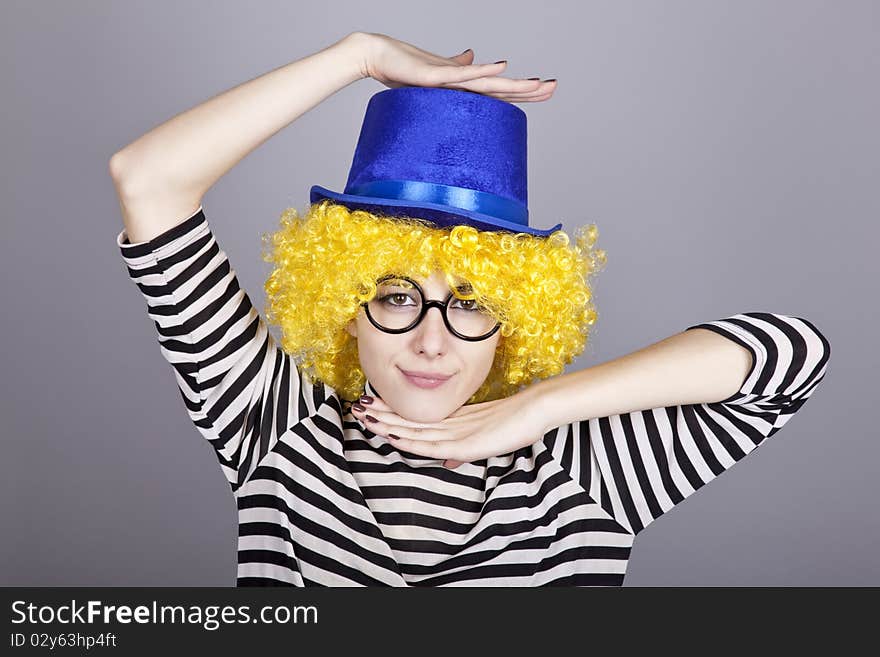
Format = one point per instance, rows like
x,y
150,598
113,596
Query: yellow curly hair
x,y
326,264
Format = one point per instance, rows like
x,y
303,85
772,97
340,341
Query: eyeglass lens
x,y
398,304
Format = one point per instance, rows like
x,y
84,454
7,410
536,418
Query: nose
x,y
431,331
435,320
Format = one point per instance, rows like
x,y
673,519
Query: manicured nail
x,y
550,80
534,78
366,399
358,407
464,51
393,437
501,61
370,418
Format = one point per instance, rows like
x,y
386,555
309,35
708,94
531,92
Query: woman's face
x,y
429,347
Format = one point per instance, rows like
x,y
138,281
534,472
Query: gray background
x,y
728,153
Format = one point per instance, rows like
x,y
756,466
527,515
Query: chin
x,y
436,414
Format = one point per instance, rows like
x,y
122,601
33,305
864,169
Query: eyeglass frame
x,y
426,306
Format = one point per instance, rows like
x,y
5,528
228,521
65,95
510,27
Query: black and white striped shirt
x,y
323,501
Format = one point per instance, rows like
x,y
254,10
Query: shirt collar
x,y
370,390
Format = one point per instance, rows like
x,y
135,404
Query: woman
x,y
504,473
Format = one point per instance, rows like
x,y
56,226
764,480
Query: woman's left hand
x,y
473,432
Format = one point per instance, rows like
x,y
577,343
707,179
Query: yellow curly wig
x,y
326,264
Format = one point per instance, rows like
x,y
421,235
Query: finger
x,y
521,98
463,58
375,405
445,75
385,419
544,87
433,449
383,424
518,99
390,427
500,85
421,435
389,417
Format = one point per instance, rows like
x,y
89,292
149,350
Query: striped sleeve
x,y
240,390
639,465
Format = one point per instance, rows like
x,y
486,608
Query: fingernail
x,y
550,80
358,407
366,399
370,418
534,78
464,51
501,61
393,437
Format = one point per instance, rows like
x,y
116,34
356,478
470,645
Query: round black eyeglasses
x,y
425,307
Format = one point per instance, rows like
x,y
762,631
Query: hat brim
x,y
438,214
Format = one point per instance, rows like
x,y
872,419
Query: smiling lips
x,y
425,379
436,376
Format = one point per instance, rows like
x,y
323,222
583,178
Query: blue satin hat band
x,y
448,156
456,197
438,213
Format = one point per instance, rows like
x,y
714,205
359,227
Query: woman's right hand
x,y
397,63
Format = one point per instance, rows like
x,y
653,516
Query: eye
x,y
399,296
467,304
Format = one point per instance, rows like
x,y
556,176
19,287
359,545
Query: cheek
x,y
486,356
375,348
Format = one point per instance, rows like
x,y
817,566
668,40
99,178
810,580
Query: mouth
x,y
424,381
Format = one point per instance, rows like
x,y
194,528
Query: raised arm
x,y
162,176
241,390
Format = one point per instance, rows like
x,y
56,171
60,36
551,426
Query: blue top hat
x,y
445,155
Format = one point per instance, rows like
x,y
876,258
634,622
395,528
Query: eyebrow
x,y
464,288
